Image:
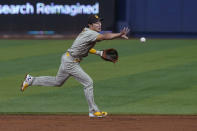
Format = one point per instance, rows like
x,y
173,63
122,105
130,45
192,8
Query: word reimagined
x,y
49,9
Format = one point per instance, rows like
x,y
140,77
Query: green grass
x,y
156,77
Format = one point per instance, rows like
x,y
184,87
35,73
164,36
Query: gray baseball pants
x,y
69,68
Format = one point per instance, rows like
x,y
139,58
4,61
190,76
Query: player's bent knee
x,y
59,84
89,83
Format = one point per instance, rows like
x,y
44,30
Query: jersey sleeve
x,y
93,35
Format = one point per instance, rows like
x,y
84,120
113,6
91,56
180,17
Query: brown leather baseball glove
x,y
110,55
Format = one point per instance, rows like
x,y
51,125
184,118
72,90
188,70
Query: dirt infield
x,y
110,123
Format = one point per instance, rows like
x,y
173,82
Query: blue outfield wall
x,y
176,18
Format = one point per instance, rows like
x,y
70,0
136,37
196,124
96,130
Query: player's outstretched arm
x,y
109,36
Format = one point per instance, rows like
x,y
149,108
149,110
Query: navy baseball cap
x,y
94,19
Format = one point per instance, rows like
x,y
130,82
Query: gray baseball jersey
x,y
69,67
83,43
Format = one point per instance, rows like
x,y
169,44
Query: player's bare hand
x,y
125,37
124,32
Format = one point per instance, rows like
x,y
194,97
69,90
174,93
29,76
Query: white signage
x,y
49,9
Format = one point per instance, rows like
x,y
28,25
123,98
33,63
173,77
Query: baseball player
x,y
70,63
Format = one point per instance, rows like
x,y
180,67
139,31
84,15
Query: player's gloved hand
x,y
110,55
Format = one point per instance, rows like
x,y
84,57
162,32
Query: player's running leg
x,y
81,76
56,81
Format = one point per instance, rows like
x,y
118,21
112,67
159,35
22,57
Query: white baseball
x,y
142,39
